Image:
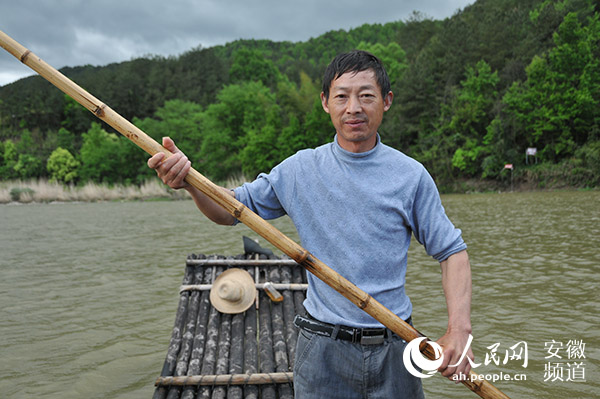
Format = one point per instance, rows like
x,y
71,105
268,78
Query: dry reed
x,y
46,191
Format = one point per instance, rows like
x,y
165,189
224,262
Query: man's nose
x,y
354,106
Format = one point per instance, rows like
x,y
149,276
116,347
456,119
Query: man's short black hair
x,y
356,61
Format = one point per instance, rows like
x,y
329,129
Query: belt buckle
x,y
377,337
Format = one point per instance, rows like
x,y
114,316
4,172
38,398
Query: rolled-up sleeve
x,y
431,225
260,197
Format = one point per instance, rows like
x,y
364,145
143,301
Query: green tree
x,y
557,107
392,56
75,117
66,139
297,100
9,160
241,108
290,139
196,76
28,166
260,153
28,157
416,106
25,144
99,156
457,143
62,166
252,66
471,113
317,129
179,120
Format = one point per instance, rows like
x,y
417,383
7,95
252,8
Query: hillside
x,y
472,92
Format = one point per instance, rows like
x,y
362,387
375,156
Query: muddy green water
x,y
89,291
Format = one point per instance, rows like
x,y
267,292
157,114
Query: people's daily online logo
x,y
570,358
412,357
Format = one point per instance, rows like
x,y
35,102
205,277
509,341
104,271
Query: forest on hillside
x,y
472,93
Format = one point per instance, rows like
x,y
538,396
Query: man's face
x,y
356,107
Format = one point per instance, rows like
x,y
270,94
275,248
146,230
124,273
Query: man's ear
x,y
387,101
324,102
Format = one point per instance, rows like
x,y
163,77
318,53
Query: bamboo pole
x,y
279,342
260,286
360,298
241,262
211,350
266,357
236,357
199,338
251,344
176,336
181,367
223,354
291,332
227,379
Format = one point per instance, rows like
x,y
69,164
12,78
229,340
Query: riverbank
x,y
45,191
543,177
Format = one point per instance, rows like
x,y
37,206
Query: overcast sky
x,y
80,32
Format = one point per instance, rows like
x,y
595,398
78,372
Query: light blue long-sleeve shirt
x,y
356,213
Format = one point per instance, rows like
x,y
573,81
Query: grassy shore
x,y
28,191
46,191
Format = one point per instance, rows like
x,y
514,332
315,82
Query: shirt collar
x,y
339,150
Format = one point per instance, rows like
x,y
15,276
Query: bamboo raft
x,y
248,355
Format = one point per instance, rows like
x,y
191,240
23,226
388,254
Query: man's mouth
x,y
355,122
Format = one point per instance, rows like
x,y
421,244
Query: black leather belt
x,y
364,336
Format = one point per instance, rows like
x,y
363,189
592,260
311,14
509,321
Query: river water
x,y
89,292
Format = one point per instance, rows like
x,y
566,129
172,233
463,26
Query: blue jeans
x,y
327,368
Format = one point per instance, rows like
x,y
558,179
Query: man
x,y
355,203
